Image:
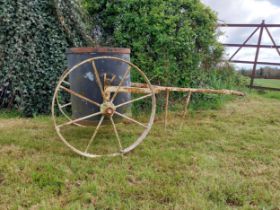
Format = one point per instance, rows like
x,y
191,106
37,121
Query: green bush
x,y
34,36
223,76
172,41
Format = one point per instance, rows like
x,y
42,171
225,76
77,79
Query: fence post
x,y
257,55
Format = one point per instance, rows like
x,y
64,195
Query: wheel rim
x,y
107,109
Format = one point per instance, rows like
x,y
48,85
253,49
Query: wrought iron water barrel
x,y
83,80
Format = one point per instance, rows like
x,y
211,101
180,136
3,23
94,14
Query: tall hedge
x,y
34,36
173,41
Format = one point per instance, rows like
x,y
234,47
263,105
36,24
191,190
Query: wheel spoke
x,y
79,119
133,100
94,134
116,133
64,114
98,79
65,82
130,119
65,105
79,95
120,84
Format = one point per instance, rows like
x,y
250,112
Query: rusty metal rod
x,y
252,62
158,89
257,54
265,88
244,43
251,45
247,25
188,99
166,109
272,39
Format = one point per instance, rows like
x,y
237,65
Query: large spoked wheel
x,y
110,120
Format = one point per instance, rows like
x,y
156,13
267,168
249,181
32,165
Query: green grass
x,y
273,83
220,159
5,114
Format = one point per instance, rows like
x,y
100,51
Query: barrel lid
x,y
80,50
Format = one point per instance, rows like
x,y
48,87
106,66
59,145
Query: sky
x,y
248,11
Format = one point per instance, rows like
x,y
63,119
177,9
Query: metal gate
x,y
260,28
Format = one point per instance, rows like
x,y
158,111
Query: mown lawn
x,y
221,159
273,83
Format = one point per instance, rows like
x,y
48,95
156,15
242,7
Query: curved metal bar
x,y
65,115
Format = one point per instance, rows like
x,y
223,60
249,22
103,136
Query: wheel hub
x,y
107,108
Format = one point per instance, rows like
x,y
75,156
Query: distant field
x,y
273,83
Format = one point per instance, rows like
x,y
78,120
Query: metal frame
x,y
258,27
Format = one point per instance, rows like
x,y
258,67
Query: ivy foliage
x,y
34,36
174,41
